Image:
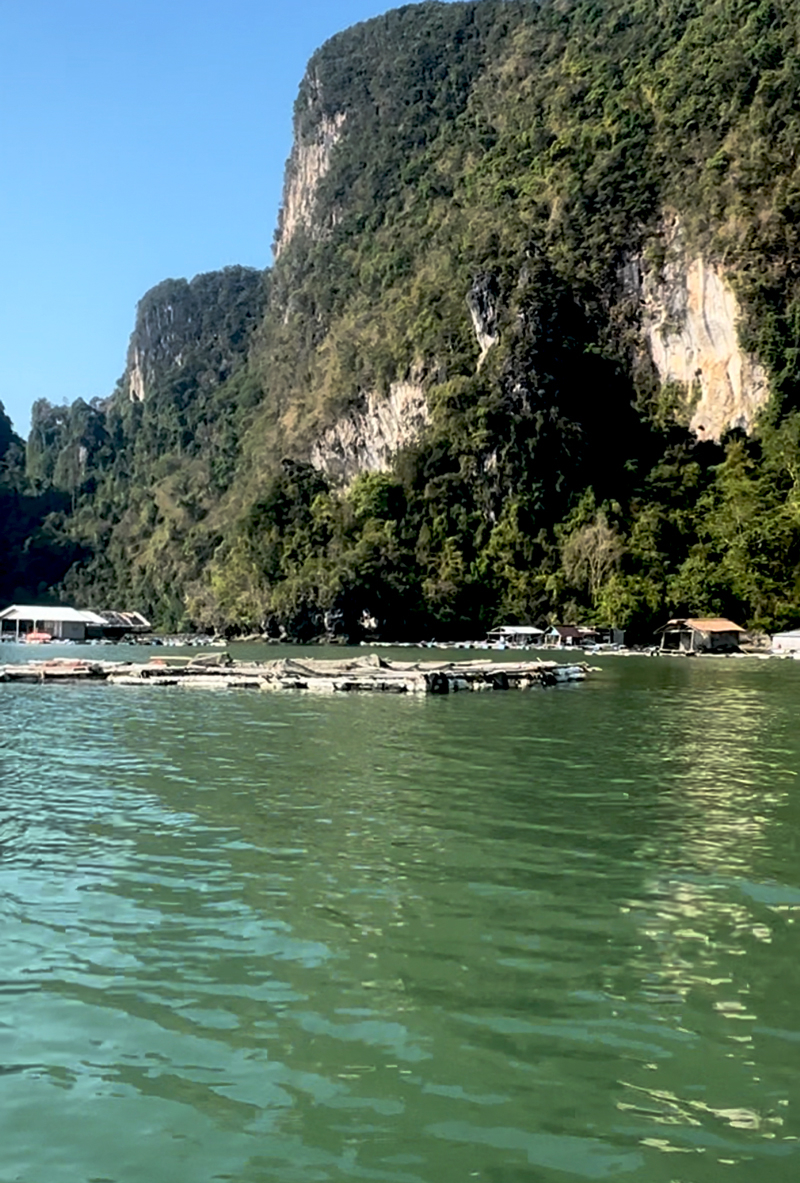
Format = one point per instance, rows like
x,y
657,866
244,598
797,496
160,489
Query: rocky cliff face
x,y
165,324
464,180
206,323
690,316
308,164
372,432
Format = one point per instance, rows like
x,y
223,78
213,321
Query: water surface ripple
x,y
534,937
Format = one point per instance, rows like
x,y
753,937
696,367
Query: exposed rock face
x,y
482,304
163,325
368,436
207,322
308,163
136,382
690,316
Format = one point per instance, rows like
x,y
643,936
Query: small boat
x,y
36,638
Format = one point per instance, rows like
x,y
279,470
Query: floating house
x,y
786,642
568,634
124,624
609,635
571,634
699,635
515,635
46,622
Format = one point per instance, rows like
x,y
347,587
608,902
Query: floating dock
x,y
372,673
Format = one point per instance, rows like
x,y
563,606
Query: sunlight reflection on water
x,y
538,936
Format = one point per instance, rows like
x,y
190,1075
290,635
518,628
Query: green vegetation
x,y
517,156
37,547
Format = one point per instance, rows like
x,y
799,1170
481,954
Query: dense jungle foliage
x,y
511,155
36,550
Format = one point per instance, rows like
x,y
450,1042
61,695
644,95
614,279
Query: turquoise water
x,y
539,937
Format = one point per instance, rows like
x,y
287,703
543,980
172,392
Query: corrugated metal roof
x,y
50,612
130,620
514,630
712,624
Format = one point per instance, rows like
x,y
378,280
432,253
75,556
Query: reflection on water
x,y
729,785
537,937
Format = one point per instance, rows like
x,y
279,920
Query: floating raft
x,y
372,673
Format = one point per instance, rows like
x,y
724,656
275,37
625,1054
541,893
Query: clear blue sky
x,y
139,139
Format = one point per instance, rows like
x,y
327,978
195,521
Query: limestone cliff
x,y
163,327
372,432
690,316
465,180
315,137
205,323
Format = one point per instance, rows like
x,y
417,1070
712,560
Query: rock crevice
x,y
482,301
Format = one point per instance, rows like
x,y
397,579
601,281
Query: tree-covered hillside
x,y
36,546
470,185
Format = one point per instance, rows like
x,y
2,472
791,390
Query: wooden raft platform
x,y
372,673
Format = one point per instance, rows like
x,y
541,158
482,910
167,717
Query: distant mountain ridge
x,y
528,348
